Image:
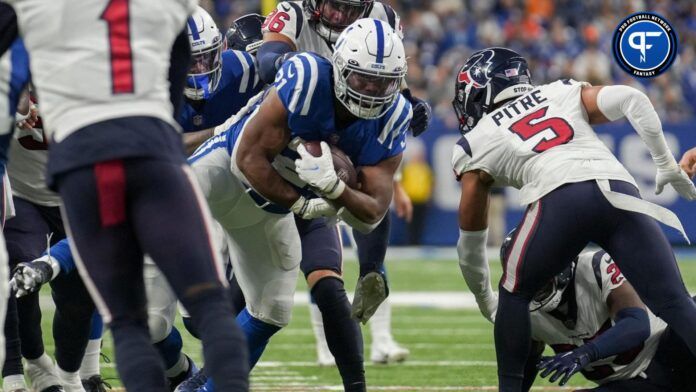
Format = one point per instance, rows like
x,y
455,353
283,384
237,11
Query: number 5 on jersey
x,y
535,123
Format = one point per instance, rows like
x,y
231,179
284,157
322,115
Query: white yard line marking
x,y
423,332
291,364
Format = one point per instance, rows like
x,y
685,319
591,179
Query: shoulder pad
x,y
297,81
287,19
461,157
398,119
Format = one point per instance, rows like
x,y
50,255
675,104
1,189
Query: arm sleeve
x,y
631,328
178,68
268,56
618,101
60,252
473,263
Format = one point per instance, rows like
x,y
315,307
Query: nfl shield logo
x,y
197,120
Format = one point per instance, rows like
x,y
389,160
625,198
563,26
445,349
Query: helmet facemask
x,y
551,295
468,107
333,16
205,72
366,93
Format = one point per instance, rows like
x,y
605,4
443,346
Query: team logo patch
x,y
645,44
475,72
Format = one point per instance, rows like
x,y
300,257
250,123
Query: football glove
x,y
370,292
319,171
564,364
422,113
312,208
680,181
29,277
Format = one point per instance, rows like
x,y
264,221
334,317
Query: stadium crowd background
x,y
560,39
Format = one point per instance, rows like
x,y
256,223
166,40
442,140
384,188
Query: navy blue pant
x,y
26,236
118,211
553,232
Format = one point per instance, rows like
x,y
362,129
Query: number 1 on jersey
x,y
117,15
525,128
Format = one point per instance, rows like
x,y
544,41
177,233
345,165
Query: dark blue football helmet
x,y
245,33
488,77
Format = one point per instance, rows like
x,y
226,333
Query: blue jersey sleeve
x,y
396,122
244,69
303,84
63,255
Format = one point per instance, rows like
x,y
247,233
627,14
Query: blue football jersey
x,y
305,87
14,76
238,83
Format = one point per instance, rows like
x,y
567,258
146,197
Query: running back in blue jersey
x,y
239,82
305,87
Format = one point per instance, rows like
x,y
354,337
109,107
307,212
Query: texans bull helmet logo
x,y
475,72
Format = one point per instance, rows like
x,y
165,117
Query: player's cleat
x,y
193,383
95,384
42,377
175,381
388,352
370,292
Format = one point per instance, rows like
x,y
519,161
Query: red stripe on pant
x,y
110,177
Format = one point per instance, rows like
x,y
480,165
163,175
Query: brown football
x,y
342,164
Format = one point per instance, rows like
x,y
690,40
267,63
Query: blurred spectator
x,y
417,182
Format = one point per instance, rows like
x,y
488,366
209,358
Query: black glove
x,y
565,364
422,113
29,277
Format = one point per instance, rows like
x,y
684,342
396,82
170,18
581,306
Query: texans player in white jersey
x,y
14,75
590,312
538,139
353,102
314,26
117,161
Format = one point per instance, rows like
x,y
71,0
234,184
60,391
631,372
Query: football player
x,y
314,26
353,102
539,139
688,162
593,319
14,76
219,81
117,161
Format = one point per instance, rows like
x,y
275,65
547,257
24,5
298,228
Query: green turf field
x,y
451,350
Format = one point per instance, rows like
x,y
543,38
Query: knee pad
x,y
159,325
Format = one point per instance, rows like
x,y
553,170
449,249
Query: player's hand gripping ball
x,y
341,165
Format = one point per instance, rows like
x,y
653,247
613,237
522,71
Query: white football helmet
x,y
206,55
330,17
369,66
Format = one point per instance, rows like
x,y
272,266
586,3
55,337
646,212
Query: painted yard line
x,y
276,380
428,299
395,388
424,346
291,364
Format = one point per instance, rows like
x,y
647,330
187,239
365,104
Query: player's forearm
x,y
362,206
619,101
264,179
269,56
473,262
193,140
631,328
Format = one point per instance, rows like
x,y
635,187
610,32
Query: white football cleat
x,y
388,352
42,374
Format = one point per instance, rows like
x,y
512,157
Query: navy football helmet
x,y
245,33
548,297
488,77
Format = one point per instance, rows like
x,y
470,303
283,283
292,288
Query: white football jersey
x,y
94,60
595,277
27,167
291,20
537,143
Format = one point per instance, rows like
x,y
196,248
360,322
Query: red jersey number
x,y
275,22
535,123
116,15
